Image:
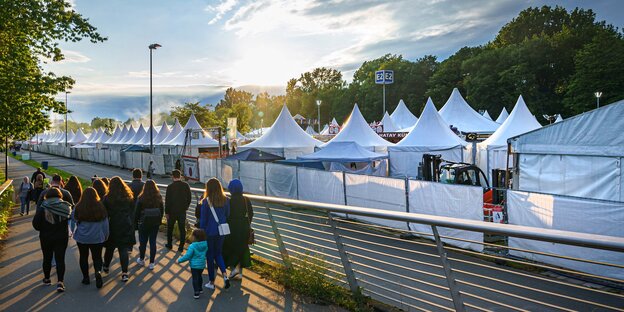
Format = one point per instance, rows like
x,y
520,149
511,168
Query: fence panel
x,y
281,180
252,175
379,192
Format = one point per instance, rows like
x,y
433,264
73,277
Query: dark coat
x,y
177,198
121,223
66,197
235,246
137,187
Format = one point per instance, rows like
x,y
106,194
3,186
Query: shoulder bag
x,y
224,229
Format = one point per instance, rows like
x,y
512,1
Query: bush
x,y
6,203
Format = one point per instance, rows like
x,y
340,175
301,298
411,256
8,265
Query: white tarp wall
x,y
321,186
379,193
207,169
227,171
567,214
489,158
447,200
252,177
281,180
599,178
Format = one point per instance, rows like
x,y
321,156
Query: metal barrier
x,y
5,186
420,272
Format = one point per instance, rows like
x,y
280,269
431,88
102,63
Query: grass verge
x,y
6,203
52,171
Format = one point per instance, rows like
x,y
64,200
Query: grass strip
x,y
52,171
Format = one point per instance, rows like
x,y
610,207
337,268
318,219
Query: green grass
x,y
6,203
52,171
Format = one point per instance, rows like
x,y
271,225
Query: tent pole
x,y
507,169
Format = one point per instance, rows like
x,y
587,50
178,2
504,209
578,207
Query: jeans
x,y
181,220
56,249
123,257
148,233
24,203
96,257
198,281
215,254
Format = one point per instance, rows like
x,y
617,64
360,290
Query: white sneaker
x,y
140,262
151,266
209,285
233,273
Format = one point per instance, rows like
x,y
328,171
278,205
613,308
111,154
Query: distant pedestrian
x,y
25,193
236,245
196,255
150,170
90,233
100,187
177,201
178,165
39,171
149,213
74,187
51,222
38,187
119,204
136,185
215,210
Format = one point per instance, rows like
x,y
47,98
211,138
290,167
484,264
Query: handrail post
x,y
278,237
450,279
346,264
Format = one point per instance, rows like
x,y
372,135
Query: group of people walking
x,y
103,219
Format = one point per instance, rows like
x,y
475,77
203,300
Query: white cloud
x,y
223,8
74,57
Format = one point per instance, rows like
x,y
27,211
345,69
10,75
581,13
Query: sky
x,y
208,46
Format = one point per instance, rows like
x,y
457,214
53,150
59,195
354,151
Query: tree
x,y
233,97
108,124
450,74
204,115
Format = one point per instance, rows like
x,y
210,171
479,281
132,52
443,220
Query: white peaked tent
x,y
430,135
309,130
402,117
357,130
492,153
103,138
388,123
77,138
134,138
325,130
285,138
70,136
115,135
559,118
145,140
581,156
98,136
122,135
202,139
503,115
177,128
459,114
163,133
93,135
487,115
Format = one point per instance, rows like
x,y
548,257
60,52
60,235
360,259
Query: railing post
x,y
344,190
297,181
278,237
407,199
450,279
346,264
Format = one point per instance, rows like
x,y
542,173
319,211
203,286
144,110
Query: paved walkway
x,y
168,287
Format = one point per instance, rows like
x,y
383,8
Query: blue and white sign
x,y
385,76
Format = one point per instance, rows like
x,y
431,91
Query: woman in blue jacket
x,y
214,203
90,233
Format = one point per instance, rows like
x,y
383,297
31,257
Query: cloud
x,y
223,8
74,57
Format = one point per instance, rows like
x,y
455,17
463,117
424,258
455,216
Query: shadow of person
x,y
232,299
185,301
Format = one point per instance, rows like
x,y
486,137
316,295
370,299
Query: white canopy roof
x,y
102,138
458,113
122,135
519,121
343,152
203,140
164,132
77,138
309,130
129,135
430,131
325,130
503,115
93,135
138,135
334,122
559,118
356,129
116,134
487,115
388,123
145,140
70,136
177,128
284,133
402,117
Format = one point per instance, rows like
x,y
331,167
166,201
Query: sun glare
x,y
265,65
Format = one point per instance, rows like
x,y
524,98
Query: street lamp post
x,y
598,95
66,92
152,46
318,105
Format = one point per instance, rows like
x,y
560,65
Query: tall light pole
x,y
318,106
152,46
66,92
598,95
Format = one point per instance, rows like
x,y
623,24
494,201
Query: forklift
x,y
436,169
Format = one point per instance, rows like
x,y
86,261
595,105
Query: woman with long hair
x,y
74,188
25,192
106,181
149,213
51,222
236,245
100,187
119,203
215,209
90,233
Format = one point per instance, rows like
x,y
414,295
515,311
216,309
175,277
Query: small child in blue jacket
x,y
196,255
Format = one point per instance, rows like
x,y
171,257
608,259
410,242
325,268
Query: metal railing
x,y
5,186
417,271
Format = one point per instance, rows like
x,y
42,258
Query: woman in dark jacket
x,y
236,245
51,222
149,213
119,205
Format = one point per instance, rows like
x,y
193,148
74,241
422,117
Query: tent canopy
x,y
519,121
309,130
356,129
325,130
343,152
559,118
115,136
77,138
177,128
284,133
123,135
162,133
487,115
138,135
203,138
458,113
145,140
596,133
503,115
402,117
254,154
388,123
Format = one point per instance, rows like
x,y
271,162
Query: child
x,y
196,255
